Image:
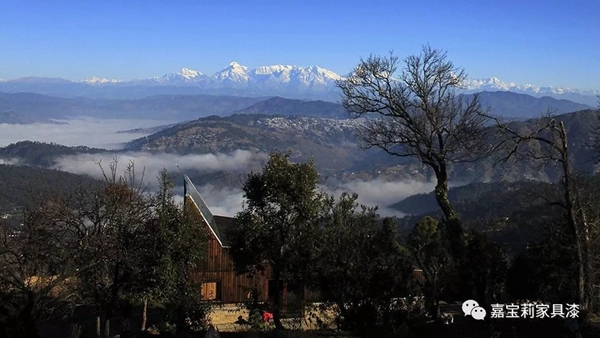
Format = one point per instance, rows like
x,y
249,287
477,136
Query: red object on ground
x,y
266,316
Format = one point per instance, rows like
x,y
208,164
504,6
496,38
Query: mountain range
x,y
24,108
277,80
331,143
333,146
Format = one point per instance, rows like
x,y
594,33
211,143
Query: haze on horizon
x,y
536,42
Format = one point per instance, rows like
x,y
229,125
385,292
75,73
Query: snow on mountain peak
x,y
279,79
97,80
268,70
326,73
234,74
495,84
190,73
235,65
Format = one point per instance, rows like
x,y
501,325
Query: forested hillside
x,y
22,186
41,154
511,213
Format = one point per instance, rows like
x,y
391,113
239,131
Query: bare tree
x,y
112,224
546,142
37,268
418,114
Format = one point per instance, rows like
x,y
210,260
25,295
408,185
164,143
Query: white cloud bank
x,y
381,193
152,164
227,202
90,132
101,133
222,202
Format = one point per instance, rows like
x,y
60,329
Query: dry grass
x,y
225,316
59,288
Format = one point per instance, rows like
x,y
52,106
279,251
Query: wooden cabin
x,y
216,273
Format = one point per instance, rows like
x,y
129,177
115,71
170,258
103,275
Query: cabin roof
x,y
218,225
224,223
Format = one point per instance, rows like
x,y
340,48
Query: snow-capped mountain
x,y
190,74
97,80
185,77
294,76
285,80
282,79
234,76
276,80
495,84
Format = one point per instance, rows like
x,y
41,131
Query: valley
x,y
218,140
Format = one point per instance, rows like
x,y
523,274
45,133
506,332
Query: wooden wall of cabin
x,y
218,267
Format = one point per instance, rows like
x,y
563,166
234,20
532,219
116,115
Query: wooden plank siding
x,y
217,270
218,267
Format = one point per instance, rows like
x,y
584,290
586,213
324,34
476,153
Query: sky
x,y
547,43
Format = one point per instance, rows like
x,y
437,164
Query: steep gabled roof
x,y
224,223
218,225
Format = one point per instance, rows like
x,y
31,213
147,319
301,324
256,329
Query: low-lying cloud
x,y
380,193
228,201
223,202
102,133
11,161
90,132
152,164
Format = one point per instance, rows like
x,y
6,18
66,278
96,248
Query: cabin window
x,y
210,291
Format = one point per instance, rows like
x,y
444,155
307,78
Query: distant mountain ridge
x,y
24,108
333,145
289,81
509,104
495,84
281,106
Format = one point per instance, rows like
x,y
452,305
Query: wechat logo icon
x,y
472,308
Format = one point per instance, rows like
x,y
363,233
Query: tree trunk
x,y
452,221
107,324
26,317
433,308
29,326
588,263
98,326
144,314
126,311
578,227
441,196
277,300
452,225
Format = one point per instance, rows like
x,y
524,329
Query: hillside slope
x,y
21,186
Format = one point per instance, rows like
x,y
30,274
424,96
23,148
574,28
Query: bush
x,y
255,310
193,317
398,319
166,327
187,314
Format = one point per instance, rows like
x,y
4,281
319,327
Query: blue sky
x,y
528,41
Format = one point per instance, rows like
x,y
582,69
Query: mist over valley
x,y
218,140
